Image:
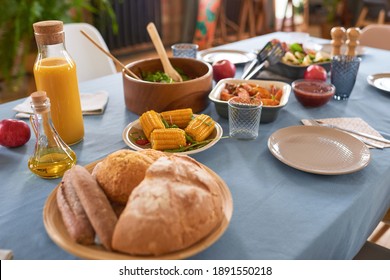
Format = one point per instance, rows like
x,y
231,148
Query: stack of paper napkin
x,y
91,104
355,124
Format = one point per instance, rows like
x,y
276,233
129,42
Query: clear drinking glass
x,y
244,117
185,50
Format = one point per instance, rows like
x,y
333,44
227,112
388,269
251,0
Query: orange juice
x,y
57,76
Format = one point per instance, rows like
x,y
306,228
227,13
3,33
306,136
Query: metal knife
x,y
383,140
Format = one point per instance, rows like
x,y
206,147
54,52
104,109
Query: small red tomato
x,y
14,133
315,72
142,142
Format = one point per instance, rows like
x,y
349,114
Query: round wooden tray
x,y
56,230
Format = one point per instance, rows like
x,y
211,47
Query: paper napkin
x,y
91,104
356,124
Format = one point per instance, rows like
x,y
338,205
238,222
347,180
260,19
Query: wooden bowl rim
x,y
207,75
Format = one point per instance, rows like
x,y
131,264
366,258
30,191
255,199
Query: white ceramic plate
x,y
234,56
319,150
380,81
328,48
135,127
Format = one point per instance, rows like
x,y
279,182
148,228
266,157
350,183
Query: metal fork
x,y
274,57
315,123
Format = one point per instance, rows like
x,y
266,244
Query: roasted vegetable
x,y
270,96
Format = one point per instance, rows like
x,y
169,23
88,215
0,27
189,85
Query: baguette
x,y
95,203
75,219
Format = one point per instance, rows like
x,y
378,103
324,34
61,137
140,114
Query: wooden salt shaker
x,y
337,34
352,42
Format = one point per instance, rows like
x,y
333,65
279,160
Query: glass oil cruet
x,y
52,157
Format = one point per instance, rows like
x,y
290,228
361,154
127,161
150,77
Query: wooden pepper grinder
x,y
338,35
352,42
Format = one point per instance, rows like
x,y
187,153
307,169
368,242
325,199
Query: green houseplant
x,y
332,7
16,32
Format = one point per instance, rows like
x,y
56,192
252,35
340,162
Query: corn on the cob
x,y
179,117
200,127
150,120
167,139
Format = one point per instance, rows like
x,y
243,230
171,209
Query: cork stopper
x,y
337,34
39,101
49,32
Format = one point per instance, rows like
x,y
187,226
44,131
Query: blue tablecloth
x,y
279,212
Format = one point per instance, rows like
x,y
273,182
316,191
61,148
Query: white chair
x,y
90,61
375,35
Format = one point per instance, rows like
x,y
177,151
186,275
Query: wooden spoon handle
x,y
153,33
128,71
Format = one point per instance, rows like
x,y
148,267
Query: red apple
x,y
315,72
223,69
14,133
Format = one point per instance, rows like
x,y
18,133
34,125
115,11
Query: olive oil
x,y
52,156
52,165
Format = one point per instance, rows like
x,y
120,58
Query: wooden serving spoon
x,y
168,68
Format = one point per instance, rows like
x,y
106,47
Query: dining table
x,y
279,212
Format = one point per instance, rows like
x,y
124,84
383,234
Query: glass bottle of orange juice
x,y
55,73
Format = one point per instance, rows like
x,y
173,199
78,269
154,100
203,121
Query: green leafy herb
x,y
189,139
296,47
167,125
157,77
183,75
161,77
193,146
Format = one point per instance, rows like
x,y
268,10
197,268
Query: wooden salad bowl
x,y
141,96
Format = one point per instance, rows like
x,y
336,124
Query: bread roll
x,y
120,172
177,204
75,219
153,154
95,203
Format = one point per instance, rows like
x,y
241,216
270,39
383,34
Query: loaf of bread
x,y
177,204
95,203
153,154
120,172
75,219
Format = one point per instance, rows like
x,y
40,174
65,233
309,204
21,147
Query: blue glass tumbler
x,y
343,75
185,50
